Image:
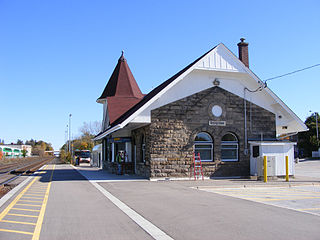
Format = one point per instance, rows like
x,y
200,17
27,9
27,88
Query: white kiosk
x,y
276,153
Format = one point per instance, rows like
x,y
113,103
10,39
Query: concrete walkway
x,y
88,203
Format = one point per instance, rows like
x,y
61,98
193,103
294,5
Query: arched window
x,y
229,148
203,144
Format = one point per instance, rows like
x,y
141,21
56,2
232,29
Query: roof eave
x,y
107,132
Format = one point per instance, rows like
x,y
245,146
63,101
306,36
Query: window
x,y
203,145
229,148
143,149
256,152
109,151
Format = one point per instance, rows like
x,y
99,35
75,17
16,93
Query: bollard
x,y
287,169
265,178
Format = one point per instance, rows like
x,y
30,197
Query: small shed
x,y
276,153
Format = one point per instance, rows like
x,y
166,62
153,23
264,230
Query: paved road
x,y
118,208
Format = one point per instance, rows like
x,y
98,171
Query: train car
x,y
10,152
7,152
17,153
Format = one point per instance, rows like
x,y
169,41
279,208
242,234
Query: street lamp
x,y
317,131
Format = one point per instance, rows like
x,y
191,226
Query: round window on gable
x,y
216,111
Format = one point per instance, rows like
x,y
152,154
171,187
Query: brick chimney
x,y
243,52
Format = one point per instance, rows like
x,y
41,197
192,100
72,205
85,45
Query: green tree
x,y
19,142
24,152
308,140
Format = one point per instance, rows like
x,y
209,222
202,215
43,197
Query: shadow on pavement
x,y
67,173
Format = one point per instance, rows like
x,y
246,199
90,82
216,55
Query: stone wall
x,y
169,149
142,165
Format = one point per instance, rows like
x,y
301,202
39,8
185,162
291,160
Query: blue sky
x,y
57,56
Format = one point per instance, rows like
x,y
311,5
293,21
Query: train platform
x,y
62,201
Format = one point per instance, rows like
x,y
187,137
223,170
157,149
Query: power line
x,y
299,70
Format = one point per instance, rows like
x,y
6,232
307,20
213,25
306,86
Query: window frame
x,y
234,143
195,143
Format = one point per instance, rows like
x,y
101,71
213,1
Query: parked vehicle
x,y
85,155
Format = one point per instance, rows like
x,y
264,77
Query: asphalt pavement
x,y
87,203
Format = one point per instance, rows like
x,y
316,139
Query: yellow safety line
x,y
23,209
21,215
9,221
25,204
32,197
280,199
306,209
37,230
9,207
30,194
15,231
29,201
276,194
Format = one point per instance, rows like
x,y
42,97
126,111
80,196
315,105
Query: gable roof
x,y
155,93
121,82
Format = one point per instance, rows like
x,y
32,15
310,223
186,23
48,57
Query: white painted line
x,y
13,191
147,226
119,180
154,231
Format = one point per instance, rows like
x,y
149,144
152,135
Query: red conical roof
x,y
122,91
121,82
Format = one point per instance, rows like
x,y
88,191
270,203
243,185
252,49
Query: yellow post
x,y
265,178
287,168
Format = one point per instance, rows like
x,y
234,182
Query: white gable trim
x,y
270,92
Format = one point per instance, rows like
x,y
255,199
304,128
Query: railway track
x,y
10,172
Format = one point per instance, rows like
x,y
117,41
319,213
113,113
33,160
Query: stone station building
x,y
214,107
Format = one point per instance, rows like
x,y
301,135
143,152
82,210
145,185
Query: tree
x,y
24,153
84,141
19,142
308,140
91,128
38,150
31,142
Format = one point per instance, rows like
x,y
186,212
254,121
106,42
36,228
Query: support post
x,y
287,169
265,177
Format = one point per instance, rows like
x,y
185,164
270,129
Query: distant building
x,y
215,106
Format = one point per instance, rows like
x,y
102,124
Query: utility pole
x,y
70,115
66,139
317,130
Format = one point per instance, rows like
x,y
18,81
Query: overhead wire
x,y
286,74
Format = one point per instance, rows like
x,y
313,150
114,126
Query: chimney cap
x,y
243,43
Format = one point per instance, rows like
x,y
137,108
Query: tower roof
x,y
122,82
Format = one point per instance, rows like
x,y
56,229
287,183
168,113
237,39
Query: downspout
x,y
245,151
